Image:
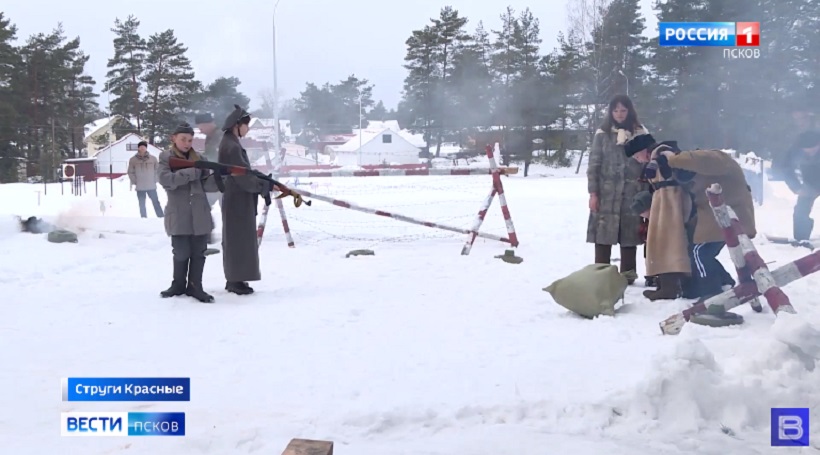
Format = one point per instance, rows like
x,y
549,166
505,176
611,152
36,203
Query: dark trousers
x,y
803,224
152,194
187,247
708,274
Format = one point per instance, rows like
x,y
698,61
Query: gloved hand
x,y
663,165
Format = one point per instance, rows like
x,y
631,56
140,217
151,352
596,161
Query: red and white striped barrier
x,y
396,216
263,221
396,172
498,189
733,230
725,217
763,282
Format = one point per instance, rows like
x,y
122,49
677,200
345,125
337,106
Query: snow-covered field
x,y
416,350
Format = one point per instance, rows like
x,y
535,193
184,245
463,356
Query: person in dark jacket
x,y
187,215
240,251
806,159
205,123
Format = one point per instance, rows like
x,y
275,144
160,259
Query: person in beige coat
x,y
142,172
187,215
708,167
671,212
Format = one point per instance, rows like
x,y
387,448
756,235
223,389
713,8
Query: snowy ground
x,y
416,350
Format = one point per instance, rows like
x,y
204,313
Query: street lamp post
x,y
360,130
277,145
626,79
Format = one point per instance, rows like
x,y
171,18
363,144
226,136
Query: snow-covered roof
x,y
363,137
376,127
381,125
96,126
130,138
266,125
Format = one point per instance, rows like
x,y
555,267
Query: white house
x,y
415,139
381,146
99,129
261,129
116,155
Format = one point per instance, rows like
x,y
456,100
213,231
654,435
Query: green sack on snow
x,y
591,291
62,236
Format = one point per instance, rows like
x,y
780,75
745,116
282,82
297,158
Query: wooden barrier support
x,y
308,447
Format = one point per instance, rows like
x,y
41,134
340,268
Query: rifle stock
x,y
228,169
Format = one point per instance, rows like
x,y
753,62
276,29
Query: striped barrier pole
x,y
764,282
397,172
744,292
499,188
732,229
358,208
725,217
263,221
477,223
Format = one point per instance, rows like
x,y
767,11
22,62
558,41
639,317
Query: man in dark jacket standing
x,y
240,252
806,159
205,124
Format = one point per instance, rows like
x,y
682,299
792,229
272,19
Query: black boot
x,y
603,254
669,287
195,289
629,263
238,287
179,283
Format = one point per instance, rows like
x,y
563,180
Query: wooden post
x,y
308,447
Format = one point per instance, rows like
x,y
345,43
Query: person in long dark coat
x,y
240,253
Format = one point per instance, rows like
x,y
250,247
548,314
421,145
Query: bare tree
x,y
586,35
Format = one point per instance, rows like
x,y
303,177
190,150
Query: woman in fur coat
x,y
612,182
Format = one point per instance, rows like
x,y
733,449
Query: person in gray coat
x,y
142,171
240,251
187,215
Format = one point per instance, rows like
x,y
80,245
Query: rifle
x,y
220,169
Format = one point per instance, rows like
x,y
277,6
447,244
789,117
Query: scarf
x,y
624,135
192,155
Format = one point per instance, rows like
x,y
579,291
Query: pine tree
x,y
170,86
378,113
450,42
420,85
53,67
81,102
472,83
220,96
10,63
505,66
125,70
623,50
677,77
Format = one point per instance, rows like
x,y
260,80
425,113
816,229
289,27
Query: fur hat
x,y
638,143
205,117
239,116
184,128
808,139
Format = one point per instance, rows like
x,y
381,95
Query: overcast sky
x,y
317,40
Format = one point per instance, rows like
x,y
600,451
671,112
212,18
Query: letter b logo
x,y
790,427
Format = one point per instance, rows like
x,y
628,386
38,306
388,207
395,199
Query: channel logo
x,y
715,34
108,424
